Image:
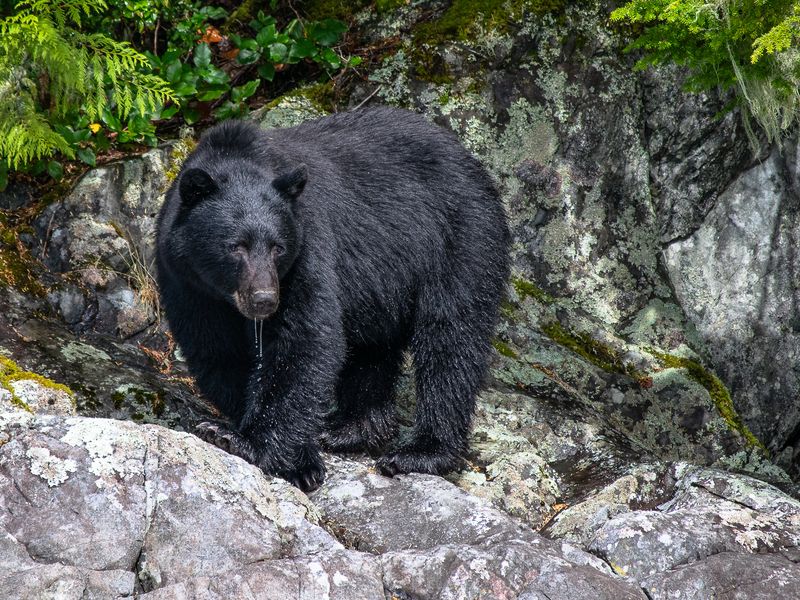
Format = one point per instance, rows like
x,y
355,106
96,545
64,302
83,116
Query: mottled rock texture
x,y
108,509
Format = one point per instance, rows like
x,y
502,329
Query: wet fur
x,y
399,242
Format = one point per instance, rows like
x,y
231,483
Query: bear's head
x,y
238,232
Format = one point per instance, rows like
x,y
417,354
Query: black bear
x,y
297,265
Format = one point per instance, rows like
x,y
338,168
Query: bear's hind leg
x,y
364,417
450,350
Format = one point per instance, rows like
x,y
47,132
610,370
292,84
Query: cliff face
x,y
647,352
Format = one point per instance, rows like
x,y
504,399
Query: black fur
x,y
368,233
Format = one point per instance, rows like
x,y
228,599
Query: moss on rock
x,y
11,371
596,352
177,157
528,289
17,268
716,390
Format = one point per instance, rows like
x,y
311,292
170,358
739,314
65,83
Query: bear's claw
x,y
310,473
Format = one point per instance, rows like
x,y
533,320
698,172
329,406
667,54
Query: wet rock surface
x,y
645,357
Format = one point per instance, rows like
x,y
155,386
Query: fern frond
x,y
43,37
25,134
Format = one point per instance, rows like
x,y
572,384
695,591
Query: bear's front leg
x,y
290,391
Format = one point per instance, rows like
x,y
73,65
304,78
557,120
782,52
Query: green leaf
x,y
267,36
169,112
202,55
174,71
214,75
247,44
81,135
226,111
303,48
213,13
55,170
247,56
66,133
261,21
266,71
185,90
293,29
327,32
111,120
190,115
330,57
212,93
354,61
3,175
87,156
278,52
243,92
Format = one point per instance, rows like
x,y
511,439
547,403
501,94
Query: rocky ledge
x,y
99,508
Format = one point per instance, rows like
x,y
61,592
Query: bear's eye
x,y
238,248
278,250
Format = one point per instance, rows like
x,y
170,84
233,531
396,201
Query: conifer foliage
x,y
49,68
745,45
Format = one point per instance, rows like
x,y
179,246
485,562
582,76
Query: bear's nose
x,y
264,301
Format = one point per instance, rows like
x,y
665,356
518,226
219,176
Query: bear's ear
x,y
195,185
292,184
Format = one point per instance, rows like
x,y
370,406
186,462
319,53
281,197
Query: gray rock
x,y
734,277
103,508
513,568
437,541
104,230
728,576
338,575
711,512
137,507
695,154
434,511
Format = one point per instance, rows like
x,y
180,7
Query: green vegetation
x,y
466,18
17,267
527,289
716,390
69,91
504,349
463,21
730,44
49,67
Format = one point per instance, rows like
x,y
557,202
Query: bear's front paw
x,y
309,471
226,439
413,460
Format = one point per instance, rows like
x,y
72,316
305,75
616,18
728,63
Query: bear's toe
x,y
226,439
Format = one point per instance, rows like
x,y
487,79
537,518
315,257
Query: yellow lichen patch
x,y
504,349
11,371
716,390
177,157
527,289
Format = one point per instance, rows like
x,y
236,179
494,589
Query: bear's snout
x,y
263,303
